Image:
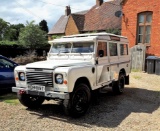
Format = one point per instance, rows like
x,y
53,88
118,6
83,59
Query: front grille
x,y
40,78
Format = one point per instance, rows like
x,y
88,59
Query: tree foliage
x,y
114,31
3,28
32,36
56,36
43,26
8,43
12,33
8,31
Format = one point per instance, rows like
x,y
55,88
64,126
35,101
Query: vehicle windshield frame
x,y
72,47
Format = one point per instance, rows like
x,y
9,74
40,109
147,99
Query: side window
x,y
2,65
113,49
123,49
5,64
102,46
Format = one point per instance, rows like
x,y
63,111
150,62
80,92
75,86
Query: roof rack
x,y
92,34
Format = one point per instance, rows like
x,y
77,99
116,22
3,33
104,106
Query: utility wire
x,y
30,12
55,4
27,10
109,2
50,3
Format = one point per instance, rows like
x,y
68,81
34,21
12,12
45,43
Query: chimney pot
x,y
67,10
99,2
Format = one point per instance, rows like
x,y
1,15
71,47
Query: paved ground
x,y
137,109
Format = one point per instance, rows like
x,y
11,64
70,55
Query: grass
x,y
137,77
10,99
135,70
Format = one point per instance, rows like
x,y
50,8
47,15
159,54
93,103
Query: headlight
x,y
59,78
21,76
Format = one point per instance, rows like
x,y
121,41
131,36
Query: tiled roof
x,y
79,20
103,17
97,18
60,26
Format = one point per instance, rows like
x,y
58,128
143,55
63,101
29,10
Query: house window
x,y
144,27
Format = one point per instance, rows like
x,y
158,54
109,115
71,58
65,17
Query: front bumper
x,y
49,94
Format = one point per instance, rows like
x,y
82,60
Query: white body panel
x,y
99,71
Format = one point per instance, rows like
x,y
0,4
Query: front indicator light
x,y
16,79
65,82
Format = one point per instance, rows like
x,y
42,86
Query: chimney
x,y
99,2
67,10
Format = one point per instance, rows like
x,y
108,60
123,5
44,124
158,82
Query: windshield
x,y
61,48
75,47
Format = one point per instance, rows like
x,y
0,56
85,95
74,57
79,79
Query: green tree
x,y
32,36
43,26
3,28
114,31
9,34
14,31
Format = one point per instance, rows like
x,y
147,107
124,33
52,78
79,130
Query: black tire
x,y
118,86
79,101
30,101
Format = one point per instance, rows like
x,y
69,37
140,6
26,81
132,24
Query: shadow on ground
x,y
5,91
108,110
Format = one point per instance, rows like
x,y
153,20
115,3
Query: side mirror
x,y
100,53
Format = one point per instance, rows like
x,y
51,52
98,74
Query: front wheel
x,y
118,86
79,101
30,101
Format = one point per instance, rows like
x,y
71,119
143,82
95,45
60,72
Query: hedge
x,y
13,49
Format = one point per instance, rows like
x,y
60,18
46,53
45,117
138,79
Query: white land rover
x,y
76,66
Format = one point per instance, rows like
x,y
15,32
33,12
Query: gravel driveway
x,y
137,109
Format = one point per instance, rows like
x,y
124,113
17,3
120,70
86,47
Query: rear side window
x,y
123,49
102,46
113,49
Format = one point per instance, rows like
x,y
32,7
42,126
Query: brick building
x,y
141,24
97,19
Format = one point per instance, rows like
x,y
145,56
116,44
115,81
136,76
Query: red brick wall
x,y
131,8
71,27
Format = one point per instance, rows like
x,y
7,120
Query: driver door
x,y
103,66
6,72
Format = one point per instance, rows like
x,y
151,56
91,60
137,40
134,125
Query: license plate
x,y
36,88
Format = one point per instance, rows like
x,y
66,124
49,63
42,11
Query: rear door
x,y
114,60
103,66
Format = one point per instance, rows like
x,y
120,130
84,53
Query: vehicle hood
x,y
51,64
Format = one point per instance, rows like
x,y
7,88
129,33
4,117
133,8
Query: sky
x,y
20,11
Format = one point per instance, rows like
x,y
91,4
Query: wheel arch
x,y
126,76
82,80
122,71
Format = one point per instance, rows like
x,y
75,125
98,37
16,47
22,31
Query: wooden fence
x,y
138,56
